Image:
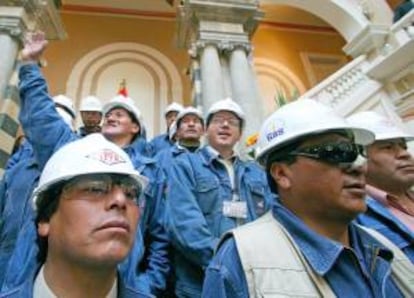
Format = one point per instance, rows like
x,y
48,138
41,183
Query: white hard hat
x,y
189,111
67,117
173,107
172,130
383,127
126,103
226,105
301,118
66,103
92,154
91,104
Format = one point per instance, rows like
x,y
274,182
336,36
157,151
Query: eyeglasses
x,y
98,186
230,121
333,153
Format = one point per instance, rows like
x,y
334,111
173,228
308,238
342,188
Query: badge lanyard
x,y
235,208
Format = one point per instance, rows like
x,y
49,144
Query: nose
x,y
225,123
109,117
116,198
358,167
402,153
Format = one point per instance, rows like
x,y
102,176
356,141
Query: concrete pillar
x,y
244,87
12,27
15,20
211,75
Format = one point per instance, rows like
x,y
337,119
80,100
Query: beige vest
x,y
275,267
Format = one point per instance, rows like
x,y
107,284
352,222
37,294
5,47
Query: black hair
x,y
47,204
280,155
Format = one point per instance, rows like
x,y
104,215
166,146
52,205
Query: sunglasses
x,y
99,186
333,153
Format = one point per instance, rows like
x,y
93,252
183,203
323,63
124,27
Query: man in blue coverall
x,y
210,192
47,132
19,179
308,246
188,128
87,211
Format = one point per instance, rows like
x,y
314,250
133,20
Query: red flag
x,y
122,88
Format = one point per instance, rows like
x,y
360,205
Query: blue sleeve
x,y
2,201
42,125
185,222
14,159
155,266
224,276
151,148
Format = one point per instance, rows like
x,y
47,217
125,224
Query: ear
x,y
280,172
135,128
43,229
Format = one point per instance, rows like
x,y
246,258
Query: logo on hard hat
x,y
276,128
107,156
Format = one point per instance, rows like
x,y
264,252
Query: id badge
x,y
235,209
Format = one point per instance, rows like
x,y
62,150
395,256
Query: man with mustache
x,y
87,211
390,177
91,113
308,245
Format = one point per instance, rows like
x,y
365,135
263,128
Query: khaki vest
x,y
275,267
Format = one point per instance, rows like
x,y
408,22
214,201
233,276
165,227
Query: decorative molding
x,y
319,66
228,20
164,81
41,15
372,37
393,63
13,22
67,8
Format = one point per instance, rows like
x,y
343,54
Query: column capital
x,y
20,16
222,46
232,20
228,47
13,22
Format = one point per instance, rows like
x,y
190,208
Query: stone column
x,y
16,19
196,83
211,76
244,88
13,24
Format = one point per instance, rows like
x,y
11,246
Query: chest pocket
x,y
256,191
207,194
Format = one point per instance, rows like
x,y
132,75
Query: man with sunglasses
x,y
210,192
390,177
308,246
87,211
122,125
